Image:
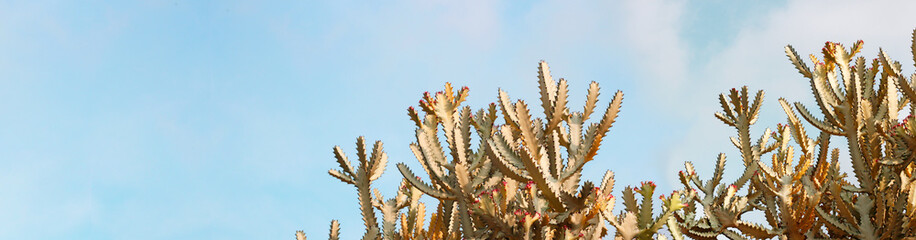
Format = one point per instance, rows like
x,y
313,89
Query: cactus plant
x,y
812,199
866,117
521,181
522,178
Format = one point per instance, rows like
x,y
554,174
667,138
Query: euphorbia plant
x,y
522,180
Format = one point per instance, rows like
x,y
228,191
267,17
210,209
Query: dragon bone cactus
x,y
813,199
864,110
517,183
522,179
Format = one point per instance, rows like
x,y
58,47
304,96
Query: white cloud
x,y
652,29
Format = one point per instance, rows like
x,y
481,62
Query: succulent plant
x,y
812,198
521,180
864,109
722,204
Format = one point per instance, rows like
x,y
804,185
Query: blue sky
x,y
215,119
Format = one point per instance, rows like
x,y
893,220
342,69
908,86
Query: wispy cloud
x,y
653,30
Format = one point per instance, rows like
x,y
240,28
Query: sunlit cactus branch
x,y
520,177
